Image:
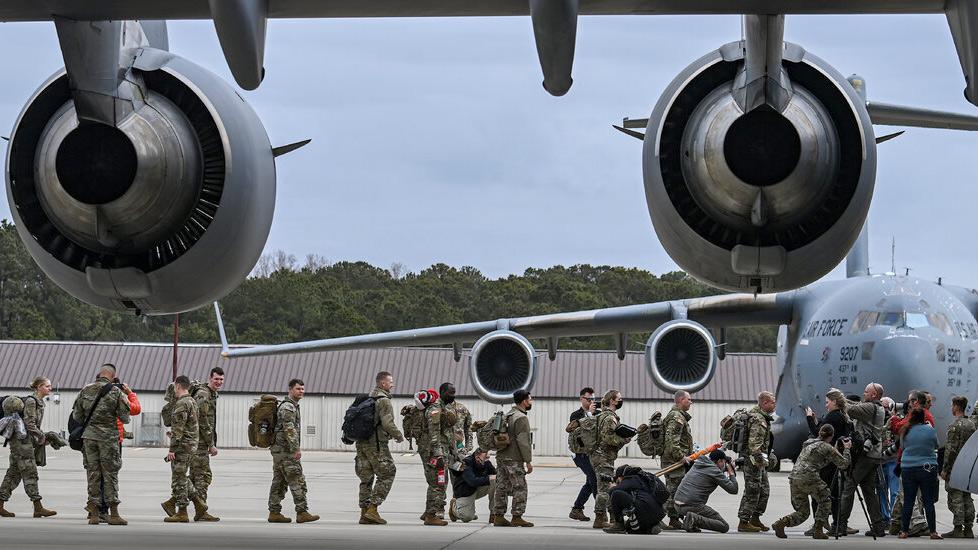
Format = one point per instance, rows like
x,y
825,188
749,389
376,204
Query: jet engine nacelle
x,y
764,201
167,211
680,356
501,363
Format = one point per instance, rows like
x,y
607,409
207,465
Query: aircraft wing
x,y
729,310
33,10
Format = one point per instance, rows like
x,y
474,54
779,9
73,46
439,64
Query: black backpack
x,y
359,422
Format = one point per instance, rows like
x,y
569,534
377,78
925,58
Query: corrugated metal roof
x,y
148,367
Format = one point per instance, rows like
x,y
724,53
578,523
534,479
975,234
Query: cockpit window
x,y
864,320
917,320
941,323
891,319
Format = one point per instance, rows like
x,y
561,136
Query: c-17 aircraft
x,y
141,182
900,331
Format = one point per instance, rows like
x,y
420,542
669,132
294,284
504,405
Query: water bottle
x,y
441,476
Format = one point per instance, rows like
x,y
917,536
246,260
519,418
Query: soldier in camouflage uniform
x,y
958,502
102,452
463,433
513,463
604,455
374,460
200,463
443,453
23,464
286,456
805,481
184,435
757,489
677,445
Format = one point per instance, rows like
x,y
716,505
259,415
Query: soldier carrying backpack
x,y
374,464
25,451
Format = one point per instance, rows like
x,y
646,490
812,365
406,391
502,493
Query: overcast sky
x,y
434,141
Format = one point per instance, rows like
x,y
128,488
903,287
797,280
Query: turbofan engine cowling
x,y
162,213
763,201
501,363
680,355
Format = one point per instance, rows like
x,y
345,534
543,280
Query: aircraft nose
x,y
901,364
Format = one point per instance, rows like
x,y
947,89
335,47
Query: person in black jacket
x,y
836,405
582,461
637,502
477,479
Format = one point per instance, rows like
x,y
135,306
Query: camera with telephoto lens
x,y
891,449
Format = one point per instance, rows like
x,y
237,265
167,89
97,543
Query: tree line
x,y
286,300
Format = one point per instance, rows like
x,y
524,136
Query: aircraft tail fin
x,y
857,262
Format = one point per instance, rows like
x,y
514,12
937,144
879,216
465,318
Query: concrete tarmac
x,y
240,492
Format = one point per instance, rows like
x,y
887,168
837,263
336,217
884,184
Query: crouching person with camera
x,y
708,473
477,480
806,482
637,501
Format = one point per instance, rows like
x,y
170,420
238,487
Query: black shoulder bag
x,y
76,429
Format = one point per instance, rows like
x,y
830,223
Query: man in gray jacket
x,y
707,473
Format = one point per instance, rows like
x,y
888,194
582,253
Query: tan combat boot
x,y
115,518
305,517
42,512
615,528
818,532
756,522
169,506
499,520
179,517
433,519
363,519
600,520
492,517
779,526
968,532
373,516
5,513
518,521
92,513
578,514
277,517
201,510
746,527
451,511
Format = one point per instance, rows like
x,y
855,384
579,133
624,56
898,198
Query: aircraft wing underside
x,y
33,10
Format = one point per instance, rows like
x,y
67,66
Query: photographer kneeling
x,y
477,479
708,473
637,502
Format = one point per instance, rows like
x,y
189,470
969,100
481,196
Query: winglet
x,y
285,149
220,330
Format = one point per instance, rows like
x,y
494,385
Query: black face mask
x,y
448,400
528,407
619,405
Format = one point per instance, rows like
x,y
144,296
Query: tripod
x,y
837,482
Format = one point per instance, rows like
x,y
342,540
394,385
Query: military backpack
x,y
360,420
493,434
652,436
262,417
170,399
582,437
734,430
412,422
11,404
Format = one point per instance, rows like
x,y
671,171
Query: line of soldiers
x,y
445,447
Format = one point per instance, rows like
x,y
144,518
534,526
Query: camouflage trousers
x,y
801,489
375,467
604,467
180,487
287,476
103,460
702,516
672,483
959,503
200,474
22,468
510,482
436,494
757,489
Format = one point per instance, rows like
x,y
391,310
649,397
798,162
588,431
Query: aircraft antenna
x,y
893,254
